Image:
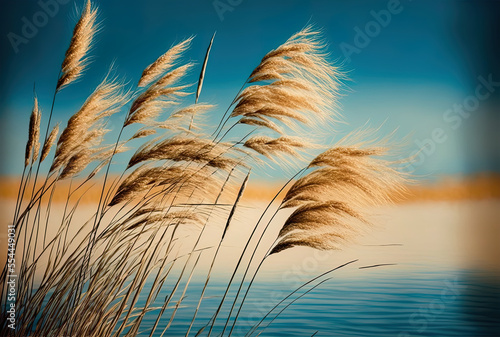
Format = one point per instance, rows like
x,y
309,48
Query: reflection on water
x,y
453,303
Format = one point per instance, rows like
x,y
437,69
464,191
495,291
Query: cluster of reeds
x,y
90,283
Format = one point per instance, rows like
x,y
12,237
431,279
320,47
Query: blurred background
x,y
428,68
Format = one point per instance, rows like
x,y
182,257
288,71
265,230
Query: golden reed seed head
x,y
143,133
188,149
271,147
184,180
331,199
49,142
76,61
164,62
33,144
85,126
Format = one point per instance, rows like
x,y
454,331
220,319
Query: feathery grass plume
x,y
153,220
49,142
364,175
87,154
263,122
320,215
275,148
98,168
302,86
170,218
33,144
76,163
105,152
188,149
152,103
183,119
163,63
158,96
191,110
323,241
145,177
86,123
332,198
154,209
76,61
143,133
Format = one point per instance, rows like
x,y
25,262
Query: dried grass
x,y
75,62
163,63
49,142
86,125
158,96
181,179
188,149
301,86
33,144
346,180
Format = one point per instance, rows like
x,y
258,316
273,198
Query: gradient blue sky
x,y
427,59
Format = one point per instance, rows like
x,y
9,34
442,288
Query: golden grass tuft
x,y
75,62
33,144
85,128
164,62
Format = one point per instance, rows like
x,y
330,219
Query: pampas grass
x,y
186,149
302,86
33,144
85,128
164,62
276,148
49,142
76,60
151,219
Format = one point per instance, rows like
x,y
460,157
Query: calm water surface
x,y
423,303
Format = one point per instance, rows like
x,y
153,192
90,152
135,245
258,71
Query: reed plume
x,y
169,218
298,86
143,133
184,180
187,120
33,144
276,148
332,199
47,145
85,126
75,62
158,96
192,110
164,62
76,163
189,149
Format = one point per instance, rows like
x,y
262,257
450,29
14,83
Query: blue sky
x,y
421,62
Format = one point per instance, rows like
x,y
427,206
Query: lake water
x,y
424,303
445,281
